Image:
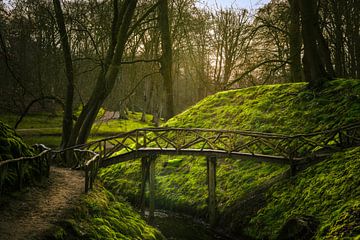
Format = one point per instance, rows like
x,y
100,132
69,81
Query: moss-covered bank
x,y
12,146
328,191
284,108
101,215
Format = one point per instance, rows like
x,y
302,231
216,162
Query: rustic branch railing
x,y
40,161
237,144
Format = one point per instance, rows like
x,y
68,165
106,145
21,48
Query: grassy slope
x,y
286,108
101,215
329,191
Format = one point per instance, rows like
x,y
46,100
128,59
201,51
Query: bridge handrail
x,y
240,132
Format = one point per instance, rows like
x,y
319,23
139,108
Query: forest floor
x,y
32,213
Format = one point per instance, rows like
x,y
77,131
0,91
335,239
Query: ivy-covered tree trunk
x,y
68,110
166,58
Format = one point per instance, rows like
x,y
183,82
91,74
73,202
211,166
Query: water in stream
x,y
179,227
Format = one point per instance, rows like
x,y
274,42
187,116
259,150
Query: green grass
x,y
46,129
33,121
282,108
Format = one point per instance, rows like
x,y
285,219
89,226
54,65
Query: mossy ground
x,y
283,108
329,191
101,215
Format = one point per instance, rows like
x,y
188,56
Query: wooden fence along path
x,y
40,163
146,144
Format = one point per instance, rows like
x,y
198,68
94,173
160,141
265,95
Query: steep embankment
x,y
11,145
325,199
285,108
101,215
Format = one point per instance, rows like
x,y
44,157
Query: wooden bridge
x,y
146,144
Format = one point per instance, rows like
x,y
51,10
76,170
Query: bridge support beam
x,y
151,188
211,170
144,178
148,176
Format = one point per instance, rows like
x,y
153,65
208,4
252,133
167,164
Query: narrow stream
x,y
178,227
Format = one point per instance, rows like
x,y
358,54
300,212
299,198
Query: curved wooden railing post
x,y
20,173
91,167
86,168
2,177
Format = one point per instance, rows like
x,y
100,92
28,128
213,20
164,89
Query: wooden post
x,y
19,170
151,188
144,178
1,178
292,167
144,138
86,178
211,169
92,173
38,161
104,154
47,162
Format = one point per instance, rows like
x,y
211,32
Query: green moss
x,y
101,215
328,191
12,146
59,233
282,108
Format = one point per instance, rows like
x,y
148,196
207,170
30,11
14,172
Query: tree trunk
x,y
324,53
109,73
295,42
166,58
68,111
314,69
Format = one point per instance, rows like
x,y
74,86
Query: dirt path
x,y
36,210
